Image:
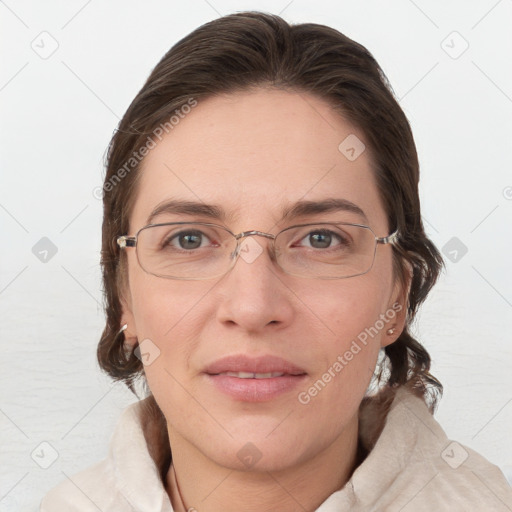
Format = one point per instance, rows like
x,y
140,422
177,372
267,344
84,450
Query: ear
x,y
128,319
396,314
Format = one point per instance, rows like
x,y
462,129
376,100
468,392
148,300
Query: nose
x,y
254,293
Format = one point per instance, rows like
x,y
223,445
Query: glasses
x,y
198,250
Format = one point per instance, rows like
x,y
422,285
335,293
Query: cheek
x,y
157,304
351,313
353,305
163,312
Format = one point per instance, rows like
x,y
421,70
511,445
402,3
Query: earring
x,y
118,338
390,331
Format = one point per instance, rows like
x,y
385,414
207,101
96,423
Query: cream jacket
x,y
413,467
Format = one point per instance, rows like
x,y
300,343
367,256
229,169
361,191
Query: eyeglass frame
x,y
124,241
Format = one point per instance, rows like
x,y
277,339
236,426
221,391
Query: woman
x,y
263,259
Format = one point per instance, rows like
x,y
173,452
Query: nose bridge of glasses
x,y
245,234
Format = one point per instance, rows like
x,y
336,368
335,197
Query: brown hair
x,y
252,49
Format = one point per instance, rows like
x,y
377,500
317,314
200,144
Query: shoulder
x,y
452,476
90,490
109,484
433,471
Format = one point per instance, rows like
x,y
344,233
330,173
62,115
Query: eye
x,y
186,240
323,238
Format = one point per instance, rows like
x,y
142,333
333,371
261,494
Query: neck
x,y
197,482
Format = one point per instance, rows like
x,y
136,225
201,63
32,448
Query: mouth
x,y
249,375
254,379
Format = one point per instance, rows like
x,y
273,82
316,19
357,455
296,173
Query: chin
x,y
258,457
258,446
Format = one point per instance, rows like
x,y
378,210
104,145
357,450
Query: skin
x,y
253,152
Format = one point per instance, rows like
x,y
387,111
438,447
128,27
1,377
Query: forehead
x,y
255,154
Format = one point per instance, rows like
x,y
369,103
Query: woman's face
x,y
254,154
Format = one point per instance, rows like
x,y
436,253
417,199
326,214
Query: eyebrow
x,y
329,205
289,212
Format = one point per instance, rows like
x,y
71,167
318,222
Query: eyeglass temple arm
x,y
390,239
126,241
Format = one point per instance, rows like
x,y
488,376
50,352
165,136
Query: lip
x,y
261,364
253,389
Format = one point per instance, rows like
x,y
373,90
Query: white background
x,y
57,116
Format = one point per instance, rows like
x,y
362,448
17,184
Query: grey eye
x,y
186,240
322,239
